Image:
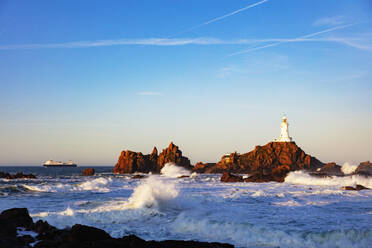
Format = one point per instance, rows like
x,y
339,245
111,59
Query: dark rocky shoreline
x,y
78,236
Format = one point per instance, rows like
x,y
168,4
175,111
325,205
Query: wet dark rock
x,y
88,172
19,175
231,178
19,217
138,176
79,236
357,187
80,233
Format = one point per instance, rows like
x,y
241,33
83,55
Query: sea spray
x,y
347,168
304,178
174,171
153,192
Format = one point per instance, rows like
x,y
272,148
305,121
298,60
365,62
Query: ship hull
x,y
60,165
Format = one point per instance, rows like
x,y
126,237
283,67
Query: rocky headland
x,y
271,162
17,230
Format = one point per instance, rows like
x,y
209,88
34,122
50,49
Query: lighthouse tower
x,y
284,135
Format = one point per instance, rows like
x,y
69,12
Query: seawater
x,y
301,212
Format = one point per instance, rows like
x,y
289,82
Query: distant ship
x,y
51,163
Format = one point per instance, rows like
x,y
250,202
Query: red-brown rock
x,y
330,169
270,162
88,172
131,162
364,168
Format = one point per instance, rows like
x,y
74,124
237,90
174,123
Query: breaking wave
x,y
153,192
303,178
172,170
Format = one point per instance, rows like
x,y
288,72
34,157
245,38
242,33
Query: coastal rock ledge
x,y
42,235
131,162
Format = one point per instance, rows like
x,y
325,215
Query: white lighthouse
x,y
284,135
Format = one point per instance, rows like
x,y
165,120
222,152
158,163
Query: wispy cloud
x,y
298,39
331,21
149,93
221,17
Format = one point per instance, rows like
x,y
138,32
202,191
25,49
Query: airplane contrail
x,y
221,17
293,40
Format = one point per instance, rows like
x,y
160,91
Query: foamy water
x,y
302,212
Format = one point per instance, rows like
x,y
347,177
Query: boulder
x,y
19,217
364,168
131,162
81,233
88,172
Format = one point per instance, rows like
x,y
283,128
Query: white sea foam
x,y
347,168
172,170
244,234
153,192
303,178
98,184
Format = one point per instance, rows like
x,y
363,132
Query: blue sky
x,y
84,80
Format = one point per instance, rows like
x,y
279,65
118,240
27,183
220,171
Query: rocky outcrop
x,y
77,236
270,162
364,168
19,175
131,162
330,169
88,172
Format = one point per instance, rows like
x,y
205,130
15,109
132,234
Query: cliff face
x,y
130,162
274,157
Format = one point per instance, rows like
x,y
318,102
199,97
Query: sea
x,y
304,211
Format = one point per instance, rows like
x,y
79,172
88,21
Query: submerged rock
x,y
88,172
131,162
357,187
78,236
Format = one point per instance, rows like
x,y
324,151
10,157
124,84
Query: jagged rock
x,y
81,233
19,175
88,172
364,168
173,155
357,187
131,162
